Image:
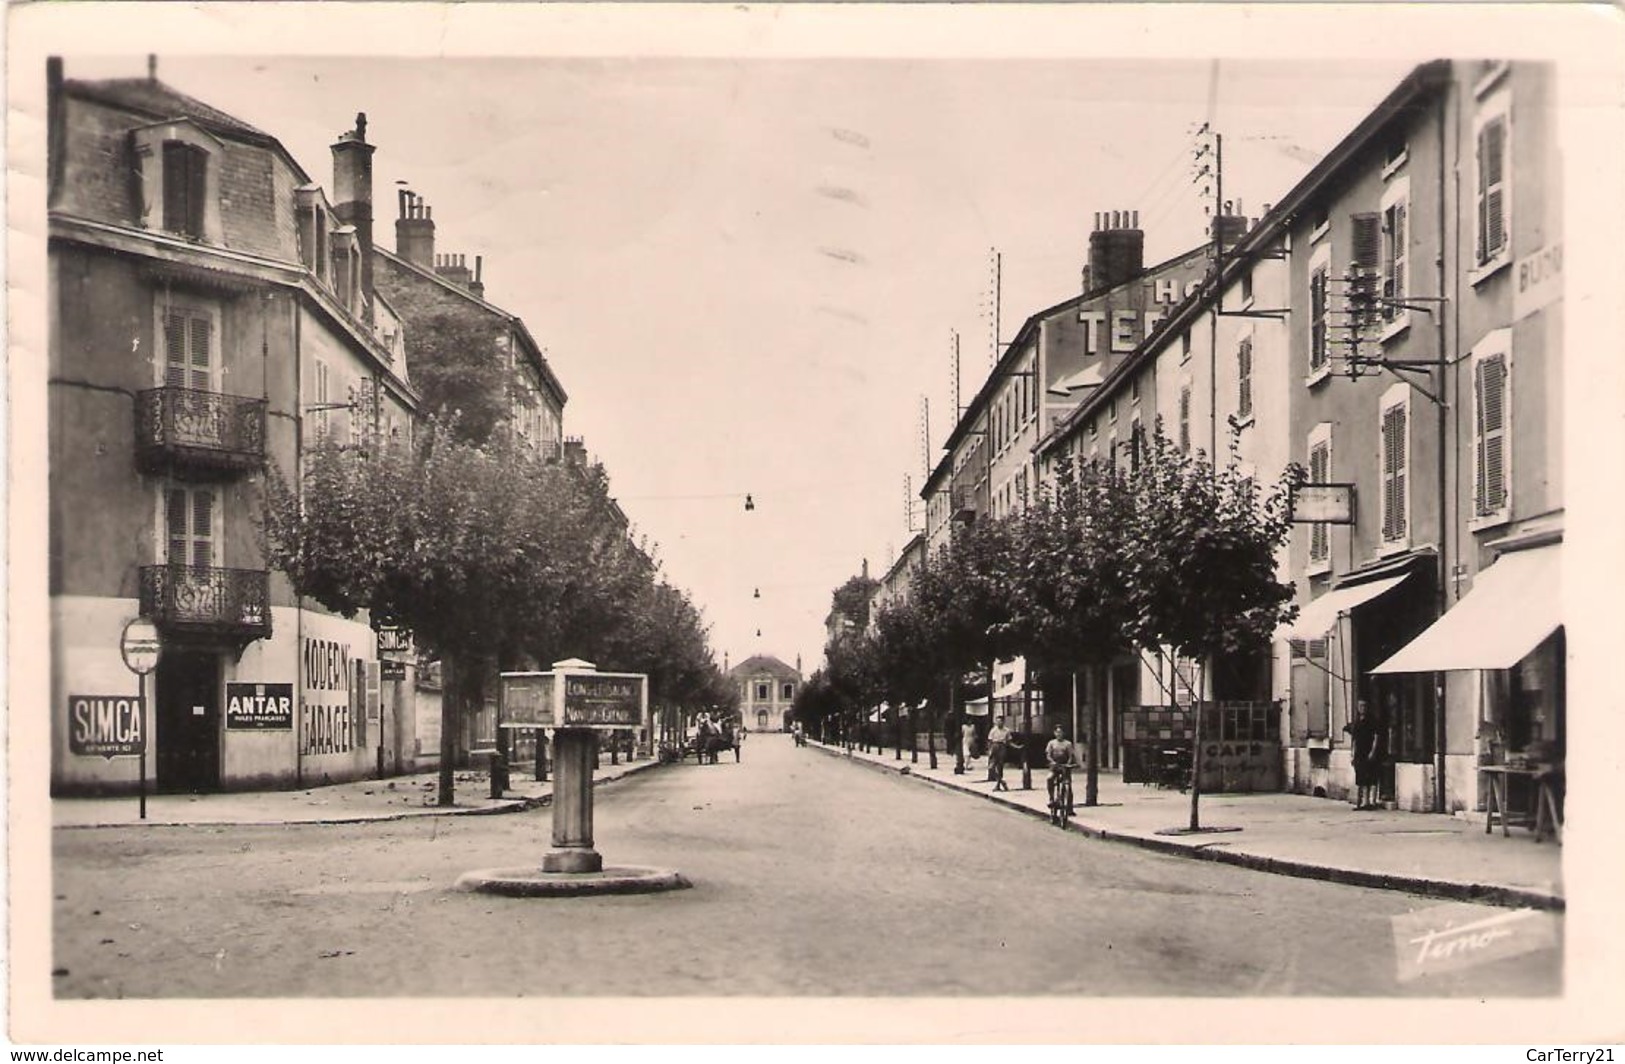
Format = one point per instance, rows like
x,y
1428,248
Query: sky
x,y
748,272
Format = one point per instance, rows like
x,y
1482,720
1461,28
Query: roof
x,y
760,663
517,323
151,97
1425,79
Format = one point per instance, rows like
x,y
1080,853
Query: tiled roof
x,y
760,663
154,98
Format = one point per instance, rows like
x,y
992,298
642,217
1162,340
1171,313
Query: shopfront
x,y
1508,630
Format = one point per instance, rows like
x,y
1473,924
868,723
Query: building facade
x,y
211,314
767,688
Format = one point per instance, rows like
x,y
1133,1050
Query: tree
x,y
485,551
461,367
1201,554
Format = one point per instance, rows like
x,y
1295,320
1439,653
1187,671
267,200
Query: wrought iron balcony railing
x,y
233,605
184,429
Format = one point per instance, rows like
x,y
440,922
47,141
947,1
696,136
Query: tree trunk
x,y
1196,747
1091,772
931,737
953,726
1026,724
449,719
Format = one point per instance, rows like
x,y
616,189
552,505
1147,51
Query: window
x,y
1185,418
1093,427
1492,184
1185,347
1320,269
1320,472
788,692
185,188
1244,379
1247,287
1396,205
1136,444
189,537
188,348
762,689
1395,457
1490,473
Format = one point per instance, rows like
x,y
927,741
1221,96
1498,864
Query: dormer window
x,y
186,168
179,167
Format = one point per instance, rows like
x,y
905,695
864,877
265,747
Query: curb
x,y
1484,893
501,806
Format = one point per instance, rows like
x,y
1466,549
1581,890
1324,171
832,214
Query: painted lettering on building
x,y
106,725
1121,331
326,725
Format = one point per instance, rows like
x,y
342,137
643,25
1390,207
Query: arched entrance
x,y
761,720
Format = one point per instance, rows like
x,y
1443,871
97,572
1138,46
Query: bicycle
x,y
1060,803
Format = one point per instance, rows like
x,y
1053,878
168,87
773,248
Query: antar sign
x,y
106,725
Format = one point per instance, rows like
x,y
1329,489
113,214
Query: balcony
x,y
218,605
186,431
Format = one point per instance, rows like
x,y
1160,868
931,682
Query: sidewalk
x,y
1289,834
339,803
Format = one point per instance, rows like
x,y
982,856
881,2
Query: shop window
x,y
1408,712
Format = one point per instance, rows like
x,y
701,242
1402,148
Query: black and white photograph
x,y
859,513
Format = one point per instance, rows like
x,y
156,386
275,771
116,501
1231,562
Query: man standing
x,y
998,746
1365,740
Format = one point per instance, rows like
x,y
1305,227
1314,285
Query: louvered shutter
x,y
1366,228
200,329
197,162
1393,465
1244,378
176,526
176,187
1319,473
1494,187
175,355
1185,418
1489,392
1393,280
1317,319
202,528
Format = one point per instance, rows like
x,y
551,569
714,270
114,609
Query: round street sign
x,y
140,646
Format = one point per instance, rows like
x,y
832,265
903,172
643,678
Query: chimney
x,y
55,126
1228,229
798,663
414,231
453,268
476,285
1116,250
575,451
352,196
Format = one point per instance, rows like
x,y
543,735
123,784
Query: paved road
x,y
813,876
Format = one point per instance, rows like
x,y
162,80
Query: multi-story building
x,y
211,312
767,689
1393,326
444,306
894,584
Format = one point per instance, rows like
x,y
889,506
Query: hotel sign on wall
x,y
1537,280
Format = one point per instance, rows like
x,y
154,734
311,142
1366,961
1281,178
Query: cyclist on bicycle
x,y
1060,755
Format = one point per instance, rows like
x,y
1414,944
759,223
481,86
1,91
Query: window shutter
x,y
175,526
1319,472
1494,187
1244,378
201,335
175,186
175,329
1400,236
1489,392
1367,230
196,163
1393,463
1317,319
202,527
1185,418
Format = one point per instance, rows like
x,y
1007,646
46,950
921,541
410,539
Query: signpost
x,y
141,647
1331,504
577,702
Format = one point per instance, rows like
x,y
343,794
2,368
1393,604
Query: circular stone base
x,y
535,883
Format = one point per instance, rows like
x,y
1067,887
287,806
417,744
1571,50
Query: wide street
x,y
812,876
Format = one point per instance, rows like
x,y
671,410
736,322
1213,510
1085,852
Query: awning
x,y
976,707
1317,618
1513,606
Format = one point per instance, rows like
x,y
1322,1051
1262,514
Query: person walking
x,y
967,742
1365,749
998,748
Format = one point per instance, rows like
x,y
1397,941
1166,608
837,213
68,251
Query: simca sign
x,y
106,725
394,641
259,706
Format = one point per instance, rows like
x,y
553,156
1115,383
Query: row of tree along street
x,y
495,555
1165,554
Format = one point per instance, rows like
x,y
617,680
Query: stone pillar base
x,y
572,861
